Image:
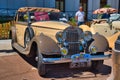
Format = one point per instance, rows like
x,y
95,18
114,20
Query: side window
x,y
41,16
54,16
22,17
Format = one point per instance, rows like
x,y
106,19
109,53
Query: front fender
x,y
47,45
100,42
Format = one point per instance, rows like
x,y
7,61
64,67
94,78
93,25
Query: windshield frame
x,y
49,16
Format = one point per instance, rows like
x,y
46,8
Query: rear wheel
x,y
28,36
12,36
12,45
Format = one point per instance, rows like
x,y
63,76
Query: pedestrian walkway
x,y
5,48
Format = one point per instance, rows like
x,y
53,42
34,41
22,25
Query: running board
x,y
20,49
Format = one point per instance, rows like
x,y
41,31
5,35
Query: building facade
x,y
71,6
68,6
9,7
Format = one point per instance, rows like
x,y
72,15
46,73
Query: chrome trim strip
x,y
68,59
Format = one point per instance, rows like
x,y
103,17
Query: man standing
x,y
79,16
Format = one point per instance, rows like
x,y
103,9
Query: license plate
x,y
80,63
80,60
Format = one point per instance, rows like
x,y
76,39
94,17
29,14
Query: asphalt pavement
x,y
13,66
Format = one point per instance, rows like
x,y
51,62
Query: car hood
x,y
51,24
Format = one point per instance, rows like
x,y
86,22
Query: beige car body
x,y
46,29
103,28
40,40
49,28
44,34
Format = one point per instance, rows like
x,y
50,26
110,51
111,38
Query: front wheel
x,y
41,65
96,65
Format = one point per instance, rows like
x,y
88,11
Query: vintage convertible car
x,y
109,28
39,34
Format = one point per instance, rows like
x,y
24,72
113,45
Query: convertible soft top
x,y
37,9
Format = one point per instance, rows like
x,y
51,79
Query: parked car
x,y
39,34
109,28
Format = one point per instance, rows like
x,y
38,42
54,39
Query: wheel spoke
x,y
27,39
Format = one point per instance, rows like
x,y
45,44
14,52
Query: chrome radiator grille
x,y
72,37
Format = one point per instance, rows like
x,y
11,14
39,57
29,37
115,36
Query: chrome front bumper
x,y
68,59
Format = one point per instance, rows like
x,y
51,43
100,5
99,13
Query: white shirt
x,y
80,16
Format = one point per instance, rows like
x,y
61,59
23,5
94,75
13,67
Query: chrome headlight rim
x,y
83,43
59,36
93,50
64,51
87,35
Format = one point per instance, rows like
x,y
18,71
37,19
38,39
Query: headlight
x,y
87,35
59,36
64,51
93,50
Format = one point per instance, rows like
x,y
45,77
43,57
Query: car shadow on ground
x,y
6,51
29,60
63,70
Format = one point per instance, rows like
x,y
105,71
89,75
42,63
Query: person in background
x,y
79,16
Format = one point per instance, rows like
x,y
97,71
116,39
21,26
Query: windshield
x,y
41,16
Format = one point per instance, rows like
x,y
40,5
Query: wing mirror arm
x,y
29,21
